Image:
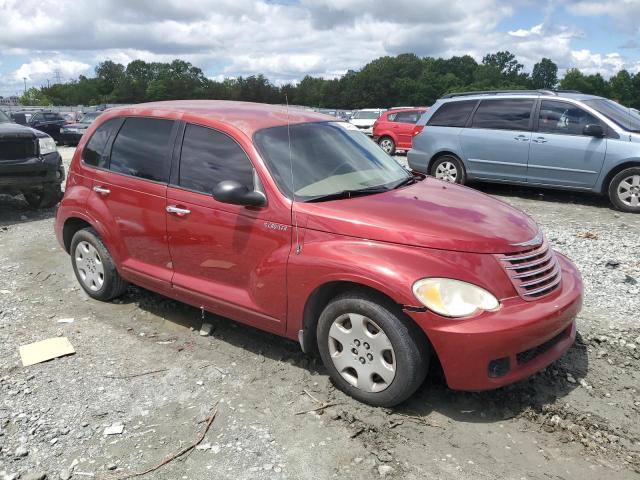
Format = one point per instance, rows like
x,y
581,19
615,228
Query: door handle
x,y
102,190
521,138
180,212
540,140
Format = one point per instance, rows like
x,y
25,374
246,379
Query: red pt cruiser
x,y
300,225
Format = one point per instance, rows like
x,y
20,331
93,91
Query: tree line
x,y
405,79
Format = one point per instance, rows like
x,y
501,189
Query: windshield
x,y
89,118
328,158
4,118
366,115
625,117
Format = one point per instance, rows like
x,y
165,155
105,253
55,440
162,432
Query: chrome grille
x,y
534,272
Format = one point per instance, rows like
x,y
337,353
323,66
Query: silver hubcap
x,y
447,171
629,191
386,145
89,266
362,352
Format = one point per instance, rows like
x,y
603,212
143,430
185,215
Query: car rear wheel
x,y
624,190
449,169
94,267
388,145
371,350
46,197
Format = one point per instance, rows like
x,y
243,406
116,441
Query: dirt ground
x,y
142,363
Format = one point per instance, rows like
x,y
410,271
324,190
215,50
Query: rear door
x,y
129,197
229,258
496,146
560,153
403,125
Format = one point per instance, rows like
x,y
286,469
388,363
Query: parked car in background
x,y
365,118
70,134
29,164
394,129
555,139
47,122
385,271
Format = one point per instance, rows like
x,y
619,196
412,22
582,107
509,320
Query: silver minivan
x,y
545,138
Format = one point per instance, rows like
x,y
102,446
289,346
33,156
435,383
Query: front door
x,y
230,259
560,154
129,193
496,144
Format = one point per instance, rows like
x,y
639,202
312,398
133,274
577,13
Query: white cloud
x,y
624,13
42,68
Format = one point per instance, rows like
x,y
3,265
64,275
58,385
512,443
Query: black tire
x,y
410,346
388,145
460,175
634,191
46,197
114,285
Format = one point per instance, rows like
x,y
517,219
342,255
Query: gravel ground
x,y
142,364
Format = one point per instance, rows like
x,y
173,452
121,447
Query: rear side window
x,y
504,114
408,117
52,117
142,149
564,118
210,157
93,153
452,114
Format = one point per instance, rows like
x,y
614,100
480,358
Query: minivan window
x,y
623,116
452,114
93,153
141,149
4,118
210,157
326,158
505,114
564,118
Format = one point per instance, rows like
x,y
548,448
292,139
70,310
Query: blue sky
x,y
287,39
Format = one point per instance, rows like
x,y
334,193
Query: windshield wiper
x,y
406,181
349,194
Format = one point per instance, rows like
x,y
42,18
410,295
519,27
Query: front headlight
x,y
47,145
453,298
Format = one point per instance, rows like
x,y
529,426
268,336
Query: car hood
x,y
430,213
14,130
364,122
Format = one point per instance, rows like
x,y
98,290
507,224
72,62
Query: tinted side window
x,y
210,157
142,149
93,153
52,117
407,117
564,118
503,114
452,114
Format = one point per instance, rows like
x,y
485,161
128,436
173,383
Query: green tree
x,y
35,97
544,74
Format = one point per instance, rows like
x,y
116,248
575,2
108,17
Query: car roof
x,y
247,117
405,109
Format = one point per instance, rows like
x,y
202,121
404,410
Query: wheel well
x,y
437,156
614,172
319,299
71,226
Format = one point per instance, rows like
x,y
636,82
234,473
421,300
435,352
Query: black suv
x,y
29,164
47,122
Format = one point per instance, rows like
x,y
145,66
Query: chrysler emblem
x,y
535,241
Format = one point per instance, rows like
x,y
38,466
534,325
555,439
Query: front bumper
x,y
31,172
522,337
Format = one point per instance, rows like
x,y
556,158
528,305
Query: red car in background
x,y
394,130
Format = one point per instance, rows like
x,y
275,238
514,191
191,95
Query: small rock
x,y
630,280
602,353
385,470
200,383
203,446
34,476
21,451
111,466
631,346
115,429
570,378
206,329
612,264
267,466
65,475
215,449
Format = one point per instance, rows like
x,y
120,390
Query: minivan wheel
x,y
449,169
47,197
624,190
388,145
371,350
94,267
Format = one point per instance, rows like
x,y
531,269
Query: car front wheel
x,y
371,350
624,190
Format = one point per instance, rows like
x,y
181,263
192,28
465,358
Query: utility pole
x,y
25,85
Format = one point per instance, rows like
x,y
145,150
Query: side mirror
x,y
234,193
593,130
